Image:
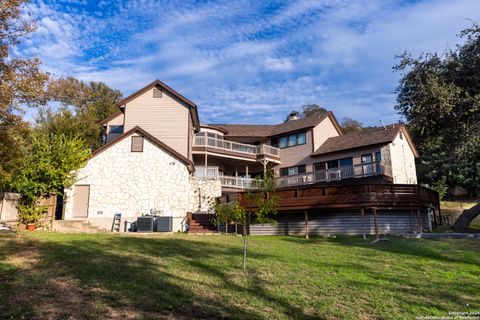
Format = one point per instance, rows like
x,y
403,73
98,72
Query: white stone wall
x,y
134,182
403,161
201,191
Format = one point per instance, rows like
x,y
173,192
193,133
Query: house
x,y
159,158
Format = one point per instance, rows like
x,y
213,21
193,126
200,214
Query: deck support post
x,y
434,213
420,222
306,224
362,210
376,223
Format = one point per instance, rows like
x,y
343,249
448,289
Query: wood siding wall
x,y
322,132
342,222
117,121
165,118
297,155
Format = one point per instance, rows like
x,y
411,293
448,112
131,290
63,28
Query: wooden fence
x,y
8,206
9,210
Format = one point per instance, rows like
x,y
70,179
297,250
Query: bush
x,y
441,187
30,213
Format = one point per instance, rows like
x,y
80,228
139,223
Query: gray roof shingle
x,y
366,137
263,131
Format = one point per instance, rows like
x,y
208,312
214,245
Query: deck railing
x,y
227,145
236,182
335,174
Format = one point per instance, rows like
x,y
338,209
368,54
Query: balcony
x,y
336,174
211,173
203,143
328,175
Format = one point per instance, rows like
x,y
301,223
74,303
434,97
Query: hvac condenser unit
x,y
163,224
145,224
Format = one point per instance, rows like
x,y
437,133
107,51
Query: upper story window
x,y
292,171
332,164
137,144
290,140
157,93
115,129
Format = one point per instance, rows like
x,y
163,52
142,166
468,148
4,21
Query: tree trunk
x,y
466,218
245,244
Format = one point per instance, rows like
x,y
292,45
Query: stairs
x,y
199,223
81,226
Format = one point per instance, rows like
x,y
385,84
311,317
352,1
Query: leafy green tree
x,y
50,165
83,105
311,109
349,125
21,84
263,194
439,96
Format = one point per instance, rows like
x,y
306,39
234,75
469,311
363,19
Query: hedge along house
x,y
158,157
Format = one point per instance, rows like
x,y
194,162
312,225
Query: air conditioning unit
x,y
163,224
145,224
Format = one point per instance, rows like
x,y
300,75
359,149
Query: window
x,y
302,138
290,140
291,171
333,164
115,129
157,93
346,162
282,142
319,166
137,144
401,135
378,156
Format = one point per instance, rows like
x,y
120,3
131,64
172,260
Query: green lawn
x,y
455,208
101,276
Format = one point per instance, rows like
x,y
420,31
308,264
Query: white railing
x,y
268,150
210,173
236,182
202,141
335,174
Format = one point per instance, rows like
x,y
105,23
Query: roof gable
x,y
150,137
364,138
159,84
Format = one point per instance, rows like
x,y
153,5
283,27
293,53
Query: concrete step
x,y
82,226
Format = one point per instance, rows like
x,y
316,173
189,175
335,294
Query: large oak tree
x,y
439,96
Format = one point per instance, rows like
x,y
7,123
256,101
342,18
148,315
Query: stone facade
x,y
201,192
133,183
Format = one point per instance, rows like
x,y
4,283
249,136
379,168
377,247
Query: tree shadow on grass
x,y
129,277
422,248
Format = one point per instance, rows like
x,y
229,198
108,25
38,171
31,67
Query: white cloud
x,y
243,59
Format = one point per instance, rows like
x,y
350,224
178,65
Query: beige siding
x,y
322,132
190,137
296,155
165,118
403,161
355,154
117,121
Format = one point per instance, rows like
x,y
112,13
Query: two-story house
x,y
158,157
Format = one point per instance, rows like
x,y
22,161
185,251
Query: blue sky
x,y
248,61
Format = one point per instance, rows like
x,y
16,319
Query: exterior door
x,y
81,195
367,162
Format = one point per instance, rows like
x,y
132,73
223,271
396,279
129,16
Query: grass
x,y
455,208
101,276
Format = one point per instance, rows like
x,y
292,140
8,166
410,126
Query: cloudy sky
x,y
248,61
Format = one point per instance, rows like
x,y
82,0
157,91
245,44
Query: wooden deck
x,y
394,196
361,197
